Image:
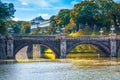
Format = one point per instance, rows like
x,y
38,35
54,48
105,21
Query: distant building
x,y
39,22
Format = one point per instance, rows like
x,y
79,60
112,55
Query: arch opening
x,y
87,50
34,52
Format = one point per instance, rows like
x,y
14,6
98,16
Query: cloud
x,y
117,0
37,9
51,8
41,3
22,18
25,9
74,2
23,2
45,16
15,19
53,1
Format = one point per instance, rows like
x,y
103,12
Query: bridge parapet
x,y
90,37
118,37
54,37
34,37
2,37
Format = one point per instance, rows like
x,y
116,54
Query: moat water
x,y
57,71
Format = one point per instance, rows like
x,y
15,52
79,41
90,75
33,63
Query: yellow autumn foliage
x,y
49,54
76,34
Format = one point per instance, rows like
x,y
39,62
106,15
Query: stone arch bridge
x,y
61,44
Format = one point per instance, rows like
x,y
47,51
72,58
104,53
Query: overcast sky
x,y
29,9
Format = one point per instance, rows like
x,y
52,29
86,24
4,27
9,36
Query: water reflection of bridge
x,y
61,44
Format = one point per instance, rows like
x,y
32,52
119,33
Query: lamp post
x,y
118,25
62,29
112,29
57,31
117,22
101,31
74,30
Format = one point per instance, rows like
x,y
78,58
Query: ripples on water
x,y
57,71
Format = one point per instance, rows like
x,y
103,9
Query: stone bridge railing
x,y
89,37
53,37
118,37
34,37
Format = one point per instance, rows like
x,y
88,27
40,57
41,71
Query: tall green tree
x,y
25,27
18,27
84,12
59,21
14,25
106,11
116,17
6,12
101,13
63,17
53,25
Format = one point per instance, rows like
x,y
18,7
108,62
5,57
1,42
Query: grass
x,y
76,34
83,56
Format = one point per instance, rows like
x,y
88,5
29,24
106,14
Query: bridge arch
x,y
102,47
27,43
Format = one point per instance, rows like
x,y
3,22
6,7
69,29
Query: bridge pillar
x,y
2,47
113,46
10,47
118,54
36,51
63,46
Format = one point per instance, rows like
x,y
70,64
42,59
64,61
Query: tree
x,y
25,27
59,21
106,9
101,13
53,25
63,17
70,28
6,12
18,27
84,12
14,25
116,16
